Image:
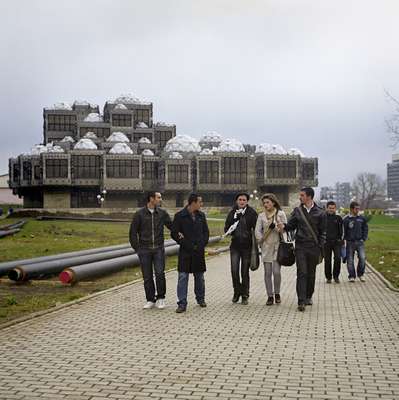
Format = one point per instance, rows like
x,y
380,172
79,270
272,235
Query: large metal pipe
x,y
53,267
14,225
9,232
95,270
6,266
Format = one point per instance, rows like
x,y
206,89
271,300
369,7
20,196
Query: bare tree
x,y
393,121
367,187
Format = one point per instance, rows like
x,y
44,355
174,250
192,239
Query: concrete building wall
x,y
56,199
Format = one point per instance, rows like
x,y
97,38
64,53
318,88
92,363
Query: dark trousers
x,y
307,259
182,288
240,260
153,260
329,249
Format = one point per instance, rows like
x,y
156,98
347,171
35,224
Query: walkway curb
x,y
382,278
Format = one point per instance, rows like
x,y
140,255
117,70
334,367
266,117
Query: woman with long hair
x,y
268,238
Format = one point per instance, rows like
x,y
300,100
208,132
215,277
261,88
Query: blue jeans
x,y
148,259
182,287
351,248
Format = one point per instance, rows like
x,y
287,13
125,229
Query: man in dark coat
x,y
240,222
190,231
308,249
146,237
334,242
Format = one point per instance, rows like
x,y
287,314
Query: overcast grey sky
x,y
302,73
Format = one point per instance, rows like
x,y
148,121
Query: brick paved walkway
x,y
344,347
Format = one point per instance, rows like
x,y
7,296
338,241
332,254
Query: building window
x,y
208,171
81,198
100,132
61,123
142,116
137,136
56,168
260,168
85,167
177,173
308,171
122,169
150,170
27,171
37,172
234,170
15,172
121,120
281,169
162,137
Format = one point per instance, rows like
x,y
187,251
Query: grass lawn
x,y
382,248
38,238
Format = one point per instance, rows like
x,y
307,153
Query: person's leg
x,y
361,253
235,271
327,261
337,261
312,261
276,277
268,278
199,287
245,262
350,255
301,275
159,267
145,258
182,286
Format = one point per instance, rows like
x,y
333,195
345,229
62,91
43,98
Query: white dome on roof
x,y
175,155
120,106
127,99
48,148
85,144
147,152
145,140
118,137
183,143
90,135
94,117
81,103
211,137
293,151
120,148
68,139
267,148
206,152
160,123
62,105
141,125
55,149
230,145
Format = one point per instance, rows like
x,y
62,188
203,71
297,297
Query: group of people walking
x,y
317,233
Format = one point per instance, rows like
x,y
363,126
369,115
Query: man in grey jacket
x,y
147,238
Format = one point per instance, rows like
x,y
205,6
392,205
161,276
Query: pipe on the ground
x,y
97,269
9,232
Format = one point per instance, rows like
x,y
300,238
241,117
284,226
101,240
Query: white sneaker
x,y
362,279
351,279
160,304
148,305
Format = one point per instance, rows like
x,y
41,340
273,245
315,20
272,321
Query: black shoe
x,y
236,297
277,298
328,281
308,302
203,304
270,301
301,307
180,309
336,280
244,300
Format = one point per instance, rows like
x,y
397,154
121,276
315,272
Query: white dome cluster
x,y
48,148
141,125
90,135
94,117
184,144
118,137
267,148
147,152
85,144
144,140
211,137
230,145
175,155
120,106
127,99
69,139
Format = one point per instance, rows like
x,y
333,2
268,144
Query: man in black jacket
x,y
308,247
147,239
240,222
333,243
190,231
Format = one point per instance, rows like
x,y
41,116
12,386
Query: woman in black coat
x,y
190,231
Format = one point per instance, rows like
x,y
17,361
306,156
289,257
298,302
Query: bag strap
x,y
305,218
